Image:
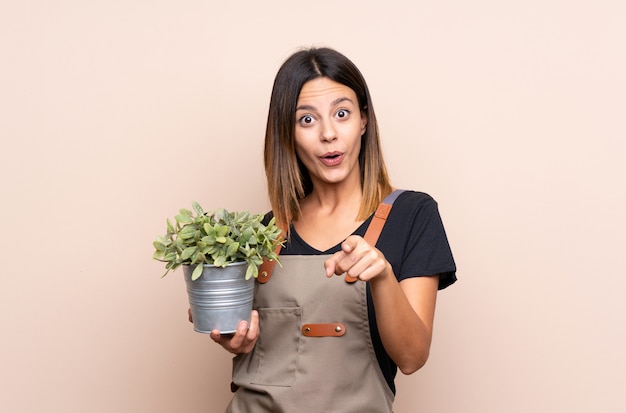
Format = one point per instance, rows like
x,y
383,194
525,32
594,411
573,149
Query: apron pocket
x,y
278,362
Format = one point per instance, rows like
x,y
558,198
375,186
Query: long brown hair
x,y
288,180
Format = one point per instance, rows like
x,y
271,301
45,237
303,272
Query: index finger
x,y
331,264
350,243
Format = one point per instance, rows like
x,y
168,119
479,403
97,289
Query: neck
x,y
328,199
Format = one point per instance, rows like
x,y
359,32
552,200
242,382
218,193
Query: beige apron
x,y
315,352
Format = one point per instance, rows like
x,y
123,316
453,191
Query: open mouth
x,y
332,158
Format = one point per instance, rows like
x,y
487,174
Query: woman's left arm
x,y
404,310
404,314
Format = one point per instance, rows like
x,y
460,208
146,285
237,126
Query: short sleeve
x,y
414,240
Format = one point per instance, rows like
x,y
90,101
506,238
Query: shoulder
x,y
268,217
413,202
415,196
411,208
414,213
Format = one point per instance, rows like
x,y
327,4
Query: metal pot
x,y
220,297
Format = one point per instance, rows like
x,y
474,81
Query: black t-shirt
x,y
414,242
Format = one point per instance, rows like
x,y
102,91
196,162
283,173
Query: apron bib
x,y
314,353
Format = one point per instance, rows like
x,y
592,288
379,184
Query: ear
x,y
363,122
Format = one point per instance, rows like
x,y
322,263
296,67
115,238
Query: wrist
x,y
385,275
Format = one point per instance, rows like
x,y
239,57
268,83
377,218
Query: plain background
x,y
115,114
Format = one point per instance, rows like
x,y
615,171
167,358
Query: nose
x,y
329,133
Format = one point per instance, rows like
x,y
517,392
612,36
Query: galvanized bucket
x,y
220,297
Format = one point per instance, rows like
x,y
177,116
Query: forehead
x,y
324,90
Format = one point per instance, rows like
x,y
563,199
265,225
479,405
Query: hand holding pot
x,y
243,340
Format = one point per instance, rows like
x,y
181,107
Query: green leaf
x,y
232,249
189,231
252,271
221,214
208,228
170,227
220,261
197,272
197,208
183,219
245,250
187,252
209,240
199,258
222,230
243,217
159,246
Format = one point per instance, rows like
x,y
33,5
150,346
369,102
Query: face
x,y
329,125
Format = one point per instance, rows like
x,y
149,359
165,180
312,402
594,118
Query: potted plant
x,y
220,253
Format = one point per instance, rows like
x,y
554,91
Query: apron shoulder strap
x,y
371,235
378,222
380,217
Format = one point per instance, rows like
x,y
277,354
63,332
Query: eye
x,y
306,120
343,113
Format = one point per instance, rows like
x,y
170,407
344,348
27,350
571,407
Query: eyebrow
x,y
333,103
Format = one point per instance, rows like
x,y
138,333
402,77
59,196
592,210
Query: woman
x,y
318,341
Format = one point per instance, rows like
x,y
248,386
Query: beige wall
x,y
114,114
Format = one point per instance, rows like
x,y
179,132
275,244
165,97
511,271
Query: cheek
x,y
353,134
301,152
303,143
